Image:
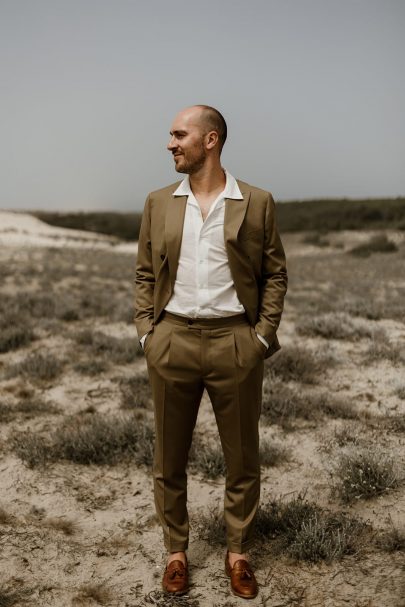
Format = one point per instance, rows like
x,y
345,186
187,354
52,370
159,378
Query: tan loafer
x,y
175,578
243,581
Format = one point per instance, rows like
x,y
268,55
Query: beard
x,y
192,161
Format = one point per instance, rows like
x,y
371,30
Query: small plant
x,y
117,350
364,474
135,392
96,592
14,337
395,423
67,526
91,367
299,364
377,244
334,325
273,454
382,348
207,460
93,439
282,404
392,540
10,597
211,527
37,366
305,532
400,390
316,238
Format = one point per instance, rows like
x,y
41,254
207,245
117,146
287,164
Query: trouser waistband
x,y
205,323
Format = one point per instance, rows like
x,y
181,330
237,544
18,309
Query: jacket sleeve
x,y
144,276
273,277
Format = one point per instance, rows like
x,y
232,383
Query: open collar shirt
x,y
204,287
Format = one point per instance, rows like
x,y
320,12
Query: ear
x,y
211,140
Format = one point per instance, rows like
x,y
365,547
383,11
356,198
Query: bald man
x,y
210,284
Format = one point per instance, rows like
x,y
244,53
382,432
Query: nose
x,y
171,145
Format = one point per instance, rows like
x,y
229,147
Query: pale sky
x,y
313,92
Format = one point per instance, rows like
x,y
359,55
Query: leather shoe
x,y
175,577
243,581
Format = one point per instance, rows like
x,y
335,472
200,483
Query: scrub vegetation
x,y
77,426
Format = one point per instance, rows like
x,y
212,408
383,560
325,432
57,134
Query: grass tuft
x,y
117,350
282,404
210,526
209,461
90,439
135,392
14,337
364,474
37,366
376,244
299,364
304,531
334,325
10,597
392,540
95,592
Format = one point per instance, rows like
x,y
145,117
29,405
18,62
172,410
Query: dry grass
x,y
5,517
37,366
28,408
135,392
98,593
210,526
283,404
298,363
66,526
10,596
364,473
376,244
334,325
210,463
163,599
91,367
392,540
400,390
14,337
305,532
89,439
381,348
112,349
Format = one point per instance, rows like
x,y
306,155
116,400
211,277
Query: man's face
x,y
187,142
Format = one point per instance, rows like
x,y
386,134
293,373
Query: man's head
x,y
198,133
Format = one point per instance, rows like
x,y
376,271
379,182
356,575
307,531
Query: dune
x,y
24,230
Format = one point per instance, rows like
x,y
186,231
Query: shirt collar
x,y
231,189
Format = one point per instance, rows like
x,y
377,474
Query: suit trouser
x,y
225,356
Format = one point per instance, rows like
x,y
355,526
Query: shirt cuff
x,y
264,342
142,340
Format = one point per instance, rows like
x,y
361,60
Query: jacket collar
x,y
231,190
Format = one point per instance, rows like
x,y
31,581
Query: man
x,y
210,284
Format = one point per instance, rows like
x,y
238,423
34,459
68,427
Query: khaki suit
x,y
222,355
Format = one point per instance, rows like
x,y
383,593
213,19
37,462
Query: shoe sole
x,y
175,593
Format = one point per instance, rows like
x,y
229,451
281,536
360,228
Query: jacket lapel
x,y
235,211
174,221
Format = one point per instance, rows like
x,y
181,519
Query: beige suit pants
x,y
225,356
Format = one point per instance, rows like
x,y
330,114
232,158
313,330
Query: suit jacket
x,y
255,254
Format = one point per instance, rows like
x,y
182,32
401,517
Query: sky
x,y
313,92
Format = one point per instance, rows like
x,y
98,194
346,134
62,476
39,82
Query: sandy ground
x,y
113,538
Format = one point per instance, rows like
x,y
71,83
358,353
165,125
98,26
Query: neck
x,y
208,179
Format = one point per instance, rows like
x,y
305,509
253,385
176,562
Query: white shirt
x,y
204,287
